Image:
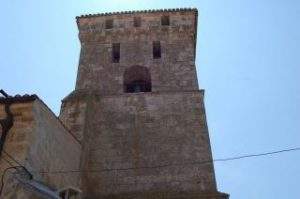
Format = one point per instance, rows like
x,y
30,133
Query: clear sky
x,y
248,61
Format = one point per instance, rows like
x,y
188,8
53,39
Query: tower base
x,y
167,195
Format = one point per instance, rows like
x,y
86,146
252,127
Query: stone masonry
x,y
137,109
39,142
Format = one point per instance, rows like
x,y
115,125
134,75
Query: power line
x,y
159,166
181,164
7,161
11,157
256,155
3,176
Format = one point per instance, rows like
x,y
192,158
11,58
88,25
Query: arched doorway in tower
x,y
137,79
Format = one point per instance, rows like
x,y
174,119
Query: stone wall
x,y
17,145
146,143
40,142
58,149
73,115
175,70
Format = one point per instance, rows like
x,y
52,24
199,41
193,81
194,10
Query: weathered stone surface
x,y
38,141
135,129
149,130
146,144
174,71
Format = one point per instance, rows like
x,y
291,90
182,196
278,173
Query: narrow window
x,y
137,21
156,50
165,20
116,52
109,23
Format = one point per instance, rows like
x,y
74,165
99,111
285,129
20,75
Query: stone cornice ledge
x,y
85,93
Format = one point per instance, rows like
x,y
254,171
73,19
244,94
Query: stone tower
x,y
137,108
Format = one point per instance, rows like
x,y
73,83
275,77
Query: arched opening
x,y
137,79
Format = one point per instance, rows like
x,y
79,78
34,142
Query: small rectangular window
x,y
109,23
156,50
137,21
116,52
165,20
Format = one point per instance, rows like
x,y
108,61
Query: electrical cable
x,y
7,161
11,157
3,175
181,164
157,166
134,168
257,155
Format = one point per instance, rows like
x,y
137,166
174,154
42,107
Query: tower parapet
x,y
161,41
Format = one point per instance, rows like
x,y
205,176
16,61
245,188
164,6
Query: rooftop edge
x,y
137,11
18,98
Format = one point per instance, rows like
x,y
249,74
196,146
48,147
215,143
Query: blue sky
x,y
248,62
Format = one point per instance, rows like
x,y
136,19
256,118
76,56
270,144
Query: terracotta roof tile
x,y
137,11
18,98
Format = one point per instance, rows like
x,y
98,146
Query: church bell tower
x,y
137,109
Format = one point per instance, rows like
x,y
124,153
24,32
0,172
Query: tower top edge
x,y
195,10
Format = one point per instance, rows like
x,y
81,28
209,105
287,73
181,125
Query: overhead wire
x,y
3,176
155,166
150,167
256,155
11,167
179,164
7,161
11,157
135,168
144,167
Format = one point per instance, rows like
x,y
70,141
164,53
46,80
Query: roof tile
x,y
18,98
137,11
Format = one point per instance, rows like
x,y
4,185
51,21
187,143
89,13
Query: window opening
x,y
137,79
137,21
165,20
156,50
109,23
116,52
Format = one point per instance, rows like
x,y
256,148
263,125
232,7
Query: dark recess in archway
x,y
137,79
